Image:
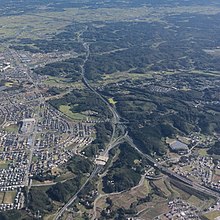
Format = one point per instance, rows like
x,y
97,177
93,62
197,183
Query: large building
x,y
27,125
179,147
101,160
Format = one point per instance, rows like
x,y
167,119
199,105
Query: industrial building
x,y
179,147
27,125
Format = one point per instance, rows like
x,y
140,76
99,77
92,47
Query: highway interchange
x,y
123,137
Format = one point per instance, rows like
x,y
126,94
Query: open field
x,y
65,176
9,84
162,186
12,128
9,197
119,76
4,164
124,199
199,200
30,26
112,101
202,152
171,189
56,171
211,73
216,178
211,215
195,201
158,207
184,195
207,204
65,109
125,14
49,217
62,83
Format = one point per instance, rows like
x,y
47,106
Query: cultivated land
x,y
109,110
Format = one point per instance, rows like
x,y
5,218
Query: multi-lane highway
x,y
115,140
173,174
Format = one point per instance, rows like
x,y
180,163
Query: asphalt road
x,y
74,197
124,137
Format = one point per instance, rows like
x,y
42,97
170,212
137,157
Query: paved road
x,y
115,140
37,115
73,198
173,174
141,182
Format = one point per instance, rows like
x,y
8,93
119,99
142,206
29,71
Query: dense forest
x,y
41,199
121,46
215,149
69,69
83,100
157,108
125,171
103,135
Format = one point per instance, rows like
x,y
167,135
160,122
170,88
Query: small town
x,y
35,137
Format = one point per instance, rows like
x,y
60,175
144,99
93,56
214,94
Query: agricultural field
x,y
124,199
158,207
141,73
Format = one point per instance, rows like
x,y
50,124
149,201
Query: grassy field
x,y
213,73
211,215
208,203
35,26
34,159
56,171
65,109
202,152
158,207
30,26
119,76
56,81
9,197
112,101
195,201
184,195
4,164
49,217
12,128
124,199
65,176
162,186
